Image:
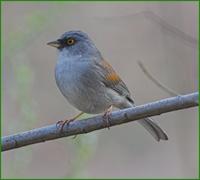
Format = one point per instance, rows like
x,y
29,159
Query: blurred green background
x,y
125,33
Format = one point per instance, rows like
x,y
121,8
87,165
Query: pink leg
x,y
62,123
106,116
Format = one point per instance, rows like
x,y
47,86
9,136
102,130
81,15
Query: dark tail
x,y
149,124
153,129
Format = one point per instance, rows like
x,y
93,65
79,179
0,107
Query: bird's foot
x,y
106,117
62,123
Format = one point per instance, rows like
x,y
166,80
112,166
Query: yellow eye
x,y
70,41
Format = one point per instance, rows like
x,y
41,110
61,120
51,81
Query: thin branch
x,y
172,30
159,84
95,123
160,23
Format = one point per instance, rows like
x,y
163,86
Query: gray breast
x,y
81,87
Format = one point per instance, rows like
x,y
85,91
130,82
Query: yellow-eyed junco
x,y
89,83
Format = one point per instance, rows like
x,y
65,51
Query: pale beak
x,y
55,44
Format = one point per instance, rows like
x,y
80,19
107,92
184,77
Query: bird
x,y
89,82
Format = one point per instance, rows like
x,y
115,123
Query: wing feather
x,y
112,80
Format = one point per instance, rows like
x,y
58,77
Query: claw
x,y
106,117
59,123
62,123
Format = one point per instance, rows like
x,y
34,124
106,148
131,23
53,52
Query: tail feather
x,y
147,123
153,129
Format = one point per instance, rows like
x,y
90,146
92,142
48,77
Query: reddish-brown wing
x,y
112,80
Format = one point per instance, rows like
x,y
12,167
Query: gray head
x,y
75,43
